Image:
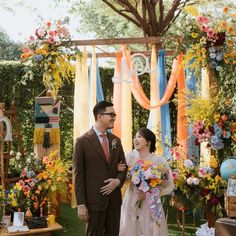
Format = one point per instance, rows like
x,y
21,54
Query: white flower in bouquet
x,y
189,180
195,181
188,163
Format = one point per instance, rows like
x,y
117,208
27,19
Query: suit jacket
x,y
91,169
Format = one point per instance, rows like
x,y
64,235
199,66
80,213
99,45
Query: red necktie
x,y
105,146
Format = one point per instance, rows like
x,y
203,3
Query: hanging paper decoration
x,y
47,131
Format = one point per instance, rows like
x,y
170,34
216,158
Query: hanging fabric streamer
x,y
205,152
193,150
117,95
136,86
100,96
47,131
182,128
139,94
154,121
126,107
92,88
81,104
165,111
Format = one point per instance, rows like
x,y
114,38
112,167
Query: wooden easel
x,y
6,146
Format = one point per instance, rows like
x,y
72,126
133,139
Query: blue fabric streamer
x,y
193,150
165,111
100,95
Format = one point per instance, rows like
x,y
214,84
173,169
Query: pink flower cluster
x,y
201,132
203,21
52,33
175,152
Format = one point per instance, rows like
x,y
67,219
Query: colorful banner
x,y
47,130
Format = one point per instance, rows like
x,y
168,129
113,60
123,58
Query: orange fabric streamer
x,y
136,87
182,127
117,96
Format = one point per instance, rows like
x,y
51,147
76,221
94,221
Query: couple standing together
x,y
100,169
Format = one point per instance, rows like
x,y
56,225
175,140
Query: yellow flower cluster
x,y
213,162
201,109
209,41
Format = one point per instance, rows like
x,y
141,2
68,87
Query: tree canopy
x,y
8,49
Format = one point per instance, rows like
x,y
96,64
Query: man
x,y
96,157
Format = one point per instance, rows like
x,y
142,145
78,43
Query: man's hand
x,y
111,185
121,167
83,213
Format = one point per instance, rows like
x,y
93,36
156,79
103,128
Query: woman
x,y
138,220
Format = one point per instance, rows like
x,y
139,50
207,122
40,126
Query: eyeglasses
x,y
111,114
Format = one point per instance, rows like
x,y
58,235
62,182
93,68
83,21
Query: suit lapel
x,y
97,145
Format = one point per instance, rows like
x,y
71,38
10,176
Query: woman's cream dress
x,y
137,221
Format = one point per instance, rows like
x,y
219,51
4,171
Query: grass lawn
x,y
74,227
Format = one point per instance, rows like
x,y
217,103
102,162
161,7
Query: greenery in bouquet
x,y
41,181
44,53
207,41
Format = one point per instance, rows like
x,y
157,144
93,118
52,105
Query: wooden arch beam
x,y
158,40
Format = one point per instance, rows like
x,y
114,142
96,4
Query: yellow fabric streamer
x,y
39,135
205,83
54,136
93,89
81,102
205,152
155,113
126,109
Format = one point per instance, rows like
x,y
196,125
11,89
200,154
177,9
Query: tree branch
x,y
161,16
176,16
170,15
134,11
120,12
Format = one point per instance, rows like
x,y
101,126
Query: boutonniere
x,y
113,144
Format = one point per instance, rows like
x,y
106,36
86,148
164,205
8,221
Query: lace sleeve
x,y
130,158
168,183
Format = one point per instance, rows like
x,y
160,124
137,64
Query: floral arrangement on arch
x,y
207,42
44,52
214,123
37,187
198,187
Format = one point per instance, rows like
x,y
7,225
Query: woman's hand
x,y
141,195
121,167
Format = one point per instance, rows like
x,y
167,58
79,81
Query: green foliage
x,y
8,49
12,91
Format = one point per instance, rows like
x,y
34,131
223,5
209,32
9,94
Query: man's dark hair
x,y
150,137
101,107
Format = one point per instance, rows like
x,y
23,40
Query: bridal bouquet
x,y
146,177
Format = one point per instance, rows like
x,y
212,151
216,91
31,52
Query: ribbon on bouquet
x,y
153,201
